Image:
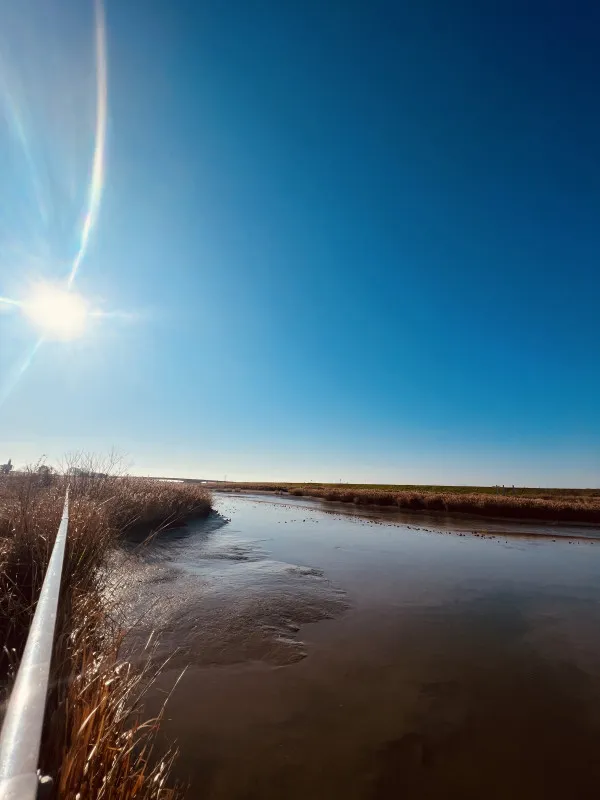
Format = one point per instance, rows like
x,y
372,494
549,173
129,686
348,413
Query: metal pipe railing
x,y
22,727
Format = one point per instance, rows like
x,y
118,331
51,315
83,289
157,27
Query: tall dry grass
x,y
95,742
554,508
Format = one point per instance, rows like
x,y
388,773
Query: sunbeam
x,y
16,374
9,302
15,120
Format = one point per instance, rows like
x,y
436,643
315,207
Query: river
x,y
343,653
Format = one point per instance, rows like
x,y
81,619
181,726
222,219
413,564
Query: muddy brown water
x,y
342,653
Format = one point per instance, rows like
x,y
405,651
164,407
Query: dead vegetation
x,y
555,508
95,743
554,505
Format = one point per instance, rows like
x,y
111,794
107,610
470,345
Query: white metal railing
x,y
22,727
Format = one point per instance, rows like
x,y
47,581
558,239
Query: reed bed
x,y
554,508
96,743
554,505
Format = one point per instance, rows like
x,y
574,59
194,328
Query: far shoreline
x,y
557,510
437,517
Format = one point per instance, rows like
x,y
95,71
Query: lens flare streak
x,y
17,373
7,301
97,179
15,119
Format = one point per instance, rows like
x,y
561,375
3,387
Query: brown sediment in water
x,y
231,604
449,667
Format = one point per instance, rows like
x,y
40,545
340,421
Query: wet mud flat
x,y
335,655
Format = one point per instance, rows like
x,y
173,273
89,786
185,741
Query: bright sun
x,y
57,312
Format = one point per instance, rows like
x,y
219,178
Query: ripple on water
x,y
219,601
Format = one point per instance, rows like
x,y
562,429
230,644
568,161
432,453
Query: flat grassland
x,y
518,503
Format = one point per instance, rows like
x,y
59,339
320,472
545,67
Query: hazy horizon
x,y
413,473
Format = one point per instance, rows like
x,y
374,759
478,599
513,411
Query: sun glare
x,y
56,312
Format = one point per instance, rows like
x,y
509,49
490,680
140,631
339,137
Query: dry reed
x,y
574,509
95,743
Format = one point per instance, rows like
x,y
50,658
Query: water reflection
x,y
434,665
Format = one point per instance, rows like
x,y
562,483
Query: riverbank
x,y
94,737
544,505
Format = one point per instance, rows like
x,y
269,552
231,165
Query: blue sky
x,y
354,241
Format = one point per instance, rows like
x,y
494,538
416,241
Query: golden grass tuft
x,y
95,742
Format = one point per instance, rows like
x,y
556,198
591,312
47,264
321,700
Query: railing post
x,y
22,727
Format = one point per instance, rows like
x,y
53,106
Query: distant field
x,y
555,505
507,490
